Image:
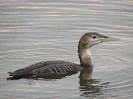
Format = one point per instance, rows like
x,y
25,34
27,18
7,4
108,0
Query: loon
x,y
57,68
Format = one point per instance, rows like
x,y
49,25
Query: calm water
x,y
36,30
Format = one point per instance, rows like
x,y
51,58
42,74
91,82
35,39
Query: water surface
x,y
33,31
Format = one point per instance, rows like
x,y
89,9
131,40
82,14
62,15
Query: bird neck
x,y
85,56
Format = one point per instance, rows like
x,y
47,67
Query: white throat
x,y
88,52
89,55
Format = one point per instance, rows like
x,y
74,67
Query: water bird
x,y
57,68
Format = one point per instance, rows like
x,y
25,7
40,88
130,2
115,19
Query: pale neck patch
x,y
86,58
89,55
88,52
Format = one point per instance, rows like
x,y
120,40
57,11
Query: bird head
x,y
90,39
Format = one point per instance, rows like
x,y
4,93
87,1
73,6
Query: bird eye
x,y
94,37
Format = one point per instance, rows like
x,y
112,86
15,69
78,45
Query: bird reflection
x,y
88,86
85,76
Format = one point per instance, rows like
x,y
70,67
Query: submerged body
x,y
58,69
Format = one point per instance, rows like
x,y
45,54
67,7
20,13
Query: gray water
x,y
36,30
